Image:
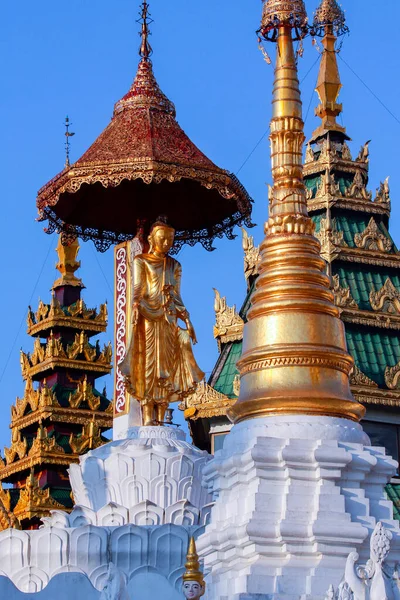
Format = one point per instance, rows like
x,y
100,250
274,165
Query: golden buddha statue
x,y
159,366
193,581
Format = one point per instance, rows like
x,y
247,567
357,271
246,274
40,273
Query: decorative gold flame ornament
x,y
193,581
295,359
159,366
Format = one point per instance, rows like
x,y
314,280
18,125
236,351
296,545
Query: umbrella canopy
x,y
142,166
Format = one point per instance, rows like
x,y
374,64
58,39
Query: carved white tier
x,y
151,478
138,501
295,495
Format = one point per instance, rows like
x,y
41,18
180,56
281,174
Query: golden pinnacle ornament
x,y
295,359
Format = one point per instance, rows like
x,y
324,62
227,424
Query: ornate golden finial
x,y
67,264
193,581
68,134
329,22
294,358
145,20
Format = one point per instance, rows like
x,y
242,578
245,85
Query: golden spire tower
x,y
294,359
329,22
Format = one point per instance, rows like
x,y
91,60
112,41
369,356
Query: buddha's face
x,y
162,240
192,590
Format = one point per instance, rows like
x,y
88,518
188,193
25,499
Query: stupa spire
x,y
294,358
145,50
329,23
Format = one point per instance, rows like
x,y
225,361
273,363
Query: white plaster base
x,y
153,477
123,423
294,496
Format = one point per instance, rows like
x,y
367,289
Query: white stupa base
x,y
295,495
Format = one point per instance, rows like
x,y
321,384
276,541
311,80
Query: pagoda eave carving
x,y
60,414
314,204
42,459
376,396
370,257
89,326
370,319
66,363
205,403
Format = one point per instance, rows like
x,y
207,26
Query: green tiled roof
x,y
373,351
351,223
224,382
364,280
393,494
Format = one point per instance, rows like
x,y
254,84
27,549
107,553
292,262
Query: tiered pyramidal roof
x,y
61,415
352,225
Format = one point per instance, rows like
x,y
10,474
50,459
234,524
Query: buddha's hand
x,y
191,331
135,314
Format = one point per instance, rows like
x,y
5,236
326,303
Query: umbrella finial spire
x,y
145,20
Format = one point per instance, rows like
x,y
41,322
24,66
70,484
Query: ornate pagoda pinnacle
x,y
145,49
329,22
67,264
294,358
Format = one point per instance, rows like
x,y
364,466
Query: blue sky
x,y
78,58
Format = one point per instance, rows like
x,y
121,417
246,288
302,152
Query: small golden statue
x,y
159,366
193,582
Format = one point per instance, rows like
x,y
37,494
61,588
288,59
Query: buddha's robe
x,y
159,366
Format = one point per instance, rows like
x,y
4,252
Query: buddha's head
x,y
193,590
161,238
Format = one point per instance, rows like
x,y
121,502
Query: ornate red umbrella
x,y
142,166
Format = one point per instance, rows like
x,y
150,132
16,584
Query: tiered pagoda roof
x,y
61,414
352,224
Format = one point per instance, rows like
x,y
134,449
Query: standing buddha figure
x,y
159,366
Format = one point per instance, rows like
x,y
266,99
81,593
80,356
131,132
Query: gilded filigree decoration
x,y
291,224
251,256
77,315
43,443
19,447
329,13
331,239
363,155
33,399
392,377
35,501
84,393
7,518
387,299
327,186
342,295
327,152
205,403
236,385
383,192
357,377
346,152
89,439
357,189
289,12
228,323
53,350
372,238
310,157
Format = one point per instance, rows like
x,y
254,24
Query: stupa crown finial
x,y
329,22
145,20
329,14
278,14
